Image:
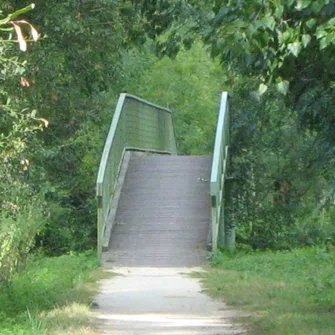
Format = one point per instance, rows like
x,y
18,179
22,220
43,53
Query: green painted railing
x,y
222,234
136,125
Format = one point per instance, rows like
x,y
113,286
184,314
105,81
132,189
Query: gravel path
x,y
158,239
160,301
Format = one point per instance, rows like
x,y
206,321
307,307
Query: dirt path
x,y
160,301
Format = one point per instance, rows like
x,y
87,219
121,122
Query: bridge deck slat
x,y
164,213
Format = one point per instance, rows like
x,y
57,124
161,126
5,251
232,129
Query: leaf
x,y
316,7
46,122
279,11
7,29
268,22
306,38
283,87
294,48
302,4
24,82
323,43
255,95
330,23
262,89
33,31
20,38
320,33
311,23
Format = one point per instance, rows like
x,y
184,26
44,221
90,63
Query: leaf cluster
x,y
20,220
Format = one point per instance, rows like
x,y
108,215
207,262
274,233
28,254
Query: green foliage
x,y
278,192
77,60
282,148
276,182
80,59
72,205
22,209
287,292
190,85
20,222
280,41
43,284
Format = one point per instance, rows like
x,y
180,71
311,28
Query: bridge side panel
x,y
136,125
148,127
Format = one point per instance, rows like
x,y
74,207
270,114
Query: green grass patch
x,y
50,296
287,292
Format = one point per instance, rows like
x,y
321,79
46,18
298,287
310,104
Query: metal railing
x,y
222,234
136,125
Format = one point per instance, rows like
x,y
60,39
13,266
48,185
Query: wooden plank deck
x,y
163,216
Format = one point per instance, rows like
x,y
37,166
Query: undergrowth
x,y
286,292
50,296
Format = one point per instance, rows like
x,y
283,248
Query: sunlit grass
x,y
73,318
51,296
286,293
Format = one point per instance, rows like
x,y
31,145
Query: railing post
x,y
229,226
222,234
99,226
229,241
222,230
214,223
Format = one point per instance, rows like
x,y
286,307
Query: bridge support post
x,y
99,227
226,231
229,240
222,230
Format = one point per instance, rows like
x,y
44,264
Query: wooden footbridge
x,y
156,208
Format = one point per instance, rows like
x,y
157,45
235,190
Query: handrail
x,y
137,125
222,235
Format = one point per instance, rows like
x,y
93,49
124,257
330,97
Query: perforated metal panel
x,y
136,125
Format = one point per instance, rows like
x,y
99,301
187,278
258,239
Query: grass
x,y
286,293
50,296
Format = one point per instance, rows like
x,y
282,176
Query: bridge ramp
x,y
163,215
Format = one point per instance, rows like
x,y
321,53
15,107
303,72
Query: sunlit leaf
x,y
302,4
20,38
283,87
268,22
33,31
311,23
46,122
262,89
320,33
294,48
306,39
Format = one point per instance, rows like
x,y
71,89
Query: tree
x,y
275,40
286,44
73,72
21,208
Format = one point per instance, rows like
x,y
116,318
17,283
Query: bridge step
x,y
164,213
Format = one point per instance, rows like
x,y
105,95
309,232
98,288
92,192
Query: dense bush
x,y
277,193
77,60
22,208
281,186
283,147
